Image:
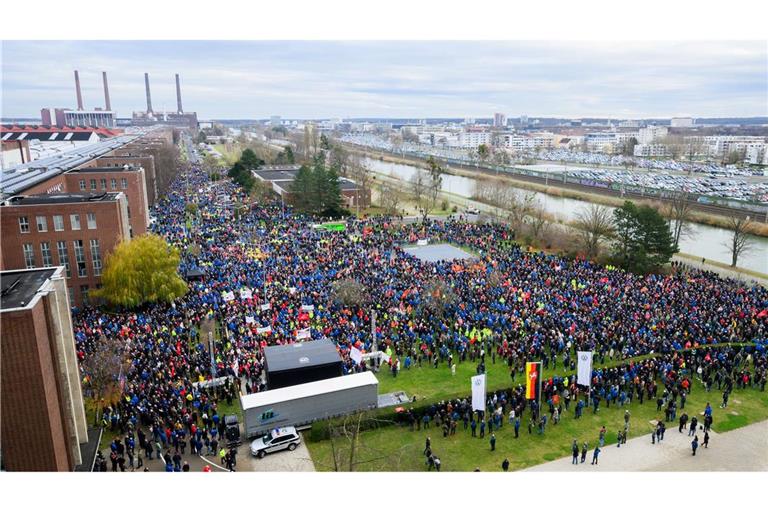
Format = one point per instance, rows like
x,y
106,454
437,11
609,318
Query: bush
x,y
444,205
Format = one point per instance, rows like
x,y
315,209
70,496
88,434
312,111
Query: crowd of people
x,y
267,275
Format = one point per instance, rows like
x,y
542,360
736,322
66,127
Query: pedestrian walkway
x,y
733,273
743,449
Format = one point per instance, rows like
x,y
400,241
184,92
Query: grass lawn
x,y
396,448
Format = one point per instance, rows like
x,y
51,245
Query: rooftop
x,y
276,175
301,355
19,287
60,199
118,168
19,178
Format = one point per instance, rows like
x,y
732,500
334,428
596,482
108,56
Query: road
x,y
297,460
743,449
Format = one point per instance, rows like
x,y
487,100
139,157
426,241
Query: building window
x,y
93,184
103,183
91,220
82,184
61,248
74,219
29,255
58,223
114,184
84,293
71,294
96,257
124,182
24,224
80,258
45,250
42,223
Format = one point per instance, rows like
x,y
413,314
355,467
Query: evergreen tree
x,y
318,197
249,160
643,239
301,189
332,194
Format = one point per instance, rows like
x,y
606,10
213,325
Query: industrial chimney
x,y
149,96
178,95
77,89
107,103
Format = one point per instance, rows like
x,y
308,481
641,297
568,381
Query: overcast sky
x,y
308,79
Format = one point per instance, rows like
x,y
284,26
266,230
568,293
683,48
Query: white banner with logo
x,y
309,307
263,330
584,374
478,392
250,320
266,307
245,293
303,334
228,296
422,242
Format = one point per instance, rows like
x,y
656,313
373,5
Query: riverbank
x,y
558,190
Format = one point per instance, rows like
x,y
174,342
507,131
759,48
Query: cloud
x,y
316,79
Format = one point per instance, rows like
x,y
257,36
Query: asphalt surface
x,y
297,460
743,449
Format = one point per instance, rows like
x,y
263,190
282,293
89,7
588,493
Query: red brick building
x,y
42,416
75,231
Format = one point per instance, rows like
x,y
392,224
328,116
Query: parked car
x,y
472,211
275,440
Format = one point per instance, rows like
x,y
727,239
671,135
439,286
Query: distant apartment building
x,y
473,139
721,145
43,422
525,143
650,134
651,150
601,142
499,120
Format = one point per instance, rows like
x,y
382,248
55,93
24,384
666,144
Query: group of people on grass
x,y
268,275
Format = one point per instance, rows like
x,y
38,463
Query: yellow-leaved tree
x,y
139,271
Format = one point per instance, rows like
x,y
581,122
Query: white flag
x,y
478,392
262,330
228,296
356,355
266,307
250,320
303,334
308,308
292,289
245,293
584,374
236,367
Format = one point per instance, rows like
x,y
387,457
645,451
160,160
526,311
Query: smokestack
x,y
178,95
107,103
77,89
149,96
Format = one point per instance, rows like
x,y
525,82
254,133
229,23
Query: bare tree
x,y
348,453
678,210
389,198
539,220
350,292
418,186
594,224
438,296
434,185
741,242
520,207
103,368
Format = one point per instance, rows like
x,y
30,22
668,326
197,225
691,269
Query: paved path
x,y
744,449
695,261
